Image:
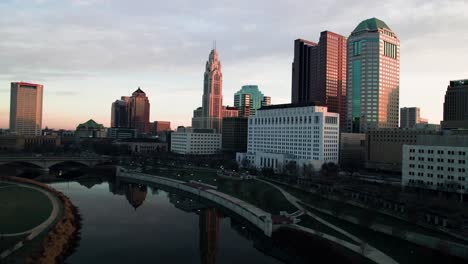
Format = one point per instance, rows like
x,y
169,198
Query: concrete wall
x,y
254,215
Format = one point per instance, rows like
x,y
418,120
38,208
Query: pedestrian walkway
x,y
360,247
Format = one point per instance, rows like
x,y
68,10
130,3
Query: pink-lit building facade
x,y
210,114
26,109
319,72
373,77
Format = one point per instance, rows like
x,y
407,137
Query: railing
x,y
254,215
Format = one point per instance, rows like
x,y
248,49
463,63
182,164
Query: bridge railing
x,y
254,215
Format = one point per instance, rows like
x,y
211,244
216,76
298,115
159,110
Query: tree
x,y
308,171
291,168
329,169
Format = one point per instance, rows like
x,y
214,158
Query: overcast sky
x,y
88,53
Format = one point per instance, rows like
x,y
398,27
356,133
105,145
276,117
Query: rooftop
x,y
282,106
90,124
456,83
371,24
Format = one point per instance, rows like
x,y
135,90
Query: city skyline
x,y
138,54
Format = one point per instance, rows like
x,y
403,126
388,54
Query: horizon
x,y
88,54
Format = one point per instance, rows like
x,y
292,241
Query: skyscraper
x,y
248,99
210,114
373,77
456,105
26,108
410,116
139,111
319,72
119,113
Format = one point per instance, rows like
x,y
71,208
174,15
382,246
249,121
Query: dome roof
x,y
371,24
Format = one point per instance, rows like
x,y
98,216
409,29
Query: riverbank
x,y
53,243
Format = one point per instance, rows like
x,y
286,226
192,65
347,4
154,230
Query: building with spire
x,y
249,99
211,113
373,77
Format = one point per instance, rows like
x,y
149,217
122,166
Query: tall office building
x,y
139,112
319,72
373,77
248,99
119,113
456,105
26,108
210,114
410,117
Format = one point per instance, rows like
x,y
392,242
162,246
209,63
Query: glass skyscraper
x,y
373,77
248,99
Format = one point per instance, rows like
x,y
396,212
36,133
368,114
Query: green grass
x,y
8,242
366,216
4,184
22,209
254,192
308,221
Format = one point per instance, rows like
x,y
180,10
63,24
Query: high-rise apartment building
x,y
248,99
210,114
319,72
26,108
373,77
410,117
456,105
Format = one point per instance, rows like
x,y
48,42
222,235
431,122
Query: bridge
x,y
44,162
254,215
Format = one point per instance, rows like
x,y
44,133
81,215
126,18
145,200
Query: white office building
x,y
437,162
191,141
304,134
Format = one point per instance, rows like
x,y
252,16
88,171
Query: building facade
x,y
139,112
456,105
26,109
302,134
373,77
319,72
234,136
438,163
119,113
143,146
160,126
352,151
410,117
90,129
121,133
193,141
248,99
384,146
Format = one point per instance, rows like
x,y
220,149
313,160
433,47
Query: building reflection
x,y
209,233
135,193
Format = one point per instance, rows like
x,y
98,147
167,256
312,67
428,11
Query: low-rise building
x,y
192,141
90,129
437,162
143,145
20,143
160,126
121,133
234,136
291,134
352,150
384,146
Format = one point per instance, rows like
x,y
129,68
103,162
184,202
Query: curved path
x,y
362,248
33,232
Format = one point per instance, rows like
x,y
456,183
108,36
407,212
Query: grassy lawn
x,y
400,250
366,216
22,209
254,192
8,242
311,223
